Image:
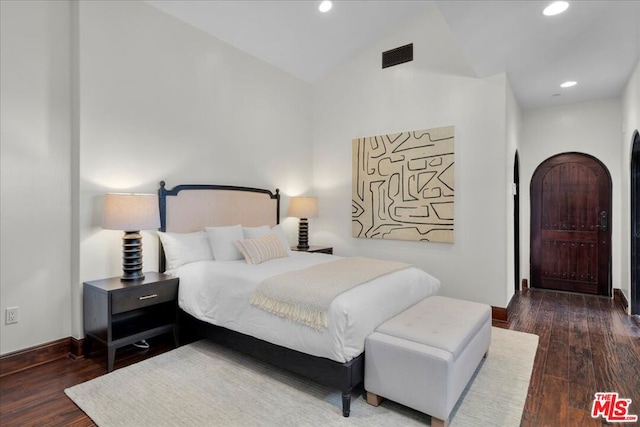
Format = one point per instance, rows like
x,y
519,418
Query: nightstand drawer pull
x,y
148,297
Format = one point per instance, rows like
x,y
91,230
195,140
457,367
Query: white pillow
x,y
183,248
278,231
221,240
262,249
255,232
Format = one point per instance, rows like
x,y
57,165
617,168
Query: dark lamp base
x,y
131,277
131,256
303,234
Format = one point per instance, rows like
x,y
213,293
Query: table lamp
x,y
303,208
131,213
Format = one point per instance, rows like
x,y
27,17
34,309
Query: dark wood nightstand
x,y
120,313
316,249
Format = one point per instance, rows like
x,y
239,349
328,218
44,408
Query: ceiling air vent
x,y
397,56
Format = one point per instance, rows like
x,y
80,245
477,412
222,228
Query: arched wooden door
x,y
571,225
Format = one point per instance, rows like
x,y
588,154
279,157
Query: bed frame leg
x,y
346,403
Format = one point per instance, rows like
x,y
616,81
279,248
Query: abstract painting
x,y
403,186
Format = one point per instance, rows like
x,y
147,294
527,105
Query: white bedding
x,y
218,292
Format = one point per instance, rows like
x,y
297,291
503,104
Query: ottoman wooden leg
x,y
437,422
374,399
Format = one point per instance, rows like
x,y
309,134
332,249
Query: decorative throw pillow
x,y
262,249
222,241
183,248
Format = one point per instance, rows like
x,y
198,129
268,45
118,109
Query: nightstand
x,y
119,313
316,249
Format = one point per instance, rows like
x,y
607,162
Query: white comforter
x,y
218,292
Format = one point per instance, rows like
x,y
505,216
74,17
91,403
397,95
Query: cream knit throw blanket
x,y
305,295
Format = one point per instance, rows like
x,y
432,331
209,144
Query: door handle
x,y
603,221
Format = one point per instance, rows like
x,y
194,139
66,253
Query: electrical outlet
x,y
11,315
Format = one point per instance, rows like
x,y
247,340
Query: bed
x,y
214,294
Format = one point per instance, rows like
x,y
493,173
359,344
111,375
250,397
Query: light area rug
x,y
204,384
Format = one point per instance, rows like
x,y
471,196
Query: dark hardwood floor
x,y
587,345
35,396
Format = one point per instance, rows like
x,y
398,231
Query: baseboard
x,y
40,354
618,295
499,314
75,348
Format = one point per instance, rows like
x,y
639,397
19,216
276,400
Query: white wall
x,y
160,99
513,135
591,128
115,96
360,99
35,147
630,123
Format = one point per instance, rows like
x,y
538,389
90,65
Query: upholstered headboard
x,y
188,208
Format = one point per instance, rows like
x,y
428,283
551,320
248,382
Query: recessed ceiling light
x,y
568,84
325,6
555,8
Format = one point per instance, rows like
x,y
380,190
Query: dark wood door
x,y
635,225
516,221
571,225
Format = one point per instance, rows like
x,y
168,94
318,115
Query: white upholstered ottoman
x,y
424,357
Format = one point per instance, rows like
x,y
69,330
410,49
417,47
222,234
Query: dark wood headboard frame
x,y
163,193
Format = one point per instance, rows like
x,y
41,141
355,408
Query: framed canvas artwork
x,y
403,186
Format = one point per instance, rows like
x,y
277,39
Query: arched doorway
x,y
635,224
571,225
516,220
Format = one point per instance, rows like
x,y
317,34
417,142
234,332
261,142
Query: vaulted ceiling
x,y
596,43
